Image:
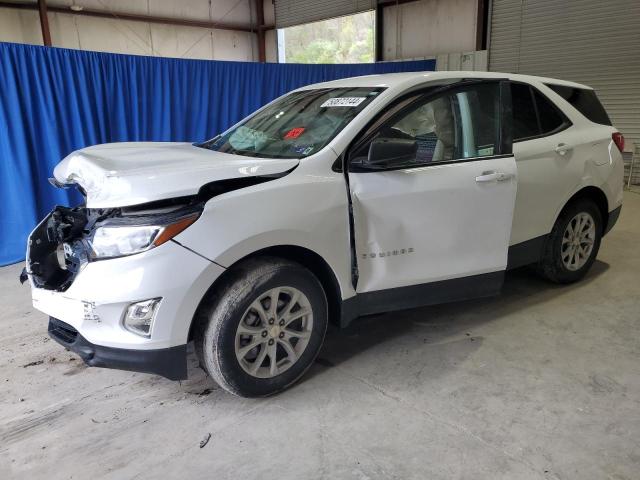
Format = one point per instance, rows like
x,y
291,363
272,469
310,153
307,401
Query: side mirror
x,y
391,152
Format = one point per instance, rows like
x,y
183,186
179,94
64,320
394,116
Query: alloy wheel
x,y
577,241
274,332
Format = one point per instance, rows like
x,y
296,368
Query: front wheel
x,y
263,328
573,244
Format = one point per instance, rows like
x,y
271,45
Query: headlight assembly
x,y
111,241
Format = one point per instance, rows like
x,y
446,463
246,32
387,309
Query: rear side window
x,y
525,122
550,117
585,101
534,115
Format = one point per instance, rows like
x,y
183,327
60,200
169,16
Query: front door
x,y
444,211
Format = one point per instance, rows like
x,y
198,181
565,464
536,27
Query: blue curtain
x,y
54,101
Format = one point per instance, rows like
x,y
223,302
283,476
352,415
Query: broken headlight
x,y
111,241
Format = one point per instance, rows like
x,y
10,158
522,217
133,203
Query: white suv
x,y
340,199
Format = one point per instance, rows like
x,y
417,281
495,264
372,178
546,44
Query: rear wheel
x,y
263,328
573,244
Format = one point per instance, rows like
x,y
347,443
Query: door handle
x,y
493,176
562,149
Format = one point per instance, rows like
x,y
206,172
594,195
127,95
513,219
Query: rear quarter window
x,y
525,121
534,115
585,101
548,114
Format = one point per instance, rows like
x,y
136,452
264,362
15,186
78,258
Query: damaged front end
x,y
58,247
69,238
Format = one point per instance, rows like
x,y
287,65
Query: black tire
x,y
215,334
551,266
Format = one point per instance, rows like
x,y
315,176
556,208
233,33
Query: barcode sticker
x,y
343,102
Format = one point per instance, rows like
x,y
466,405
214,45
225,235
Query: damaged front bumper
x,y
91,298
57,248
169,362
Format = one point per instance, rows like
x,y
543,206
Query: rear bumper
x,y
613,218
169,362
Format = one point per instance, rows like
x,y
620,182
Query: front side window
x,y
456,125
296,126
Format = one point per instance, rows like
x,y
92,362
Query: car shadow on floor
x,y
444,323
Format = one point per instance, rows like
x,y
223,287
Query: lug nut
x,y
264,333
281,335
271,321
271,342
281,323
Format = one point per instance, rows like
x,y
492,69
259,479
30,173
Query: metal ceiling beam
x,y
136,17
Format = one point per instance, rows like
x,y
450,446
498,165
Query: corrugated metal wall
x,y
632,167
593,42
297,12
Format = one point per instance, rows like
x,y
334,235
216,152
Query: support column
x,y
44,23
379,39
262,43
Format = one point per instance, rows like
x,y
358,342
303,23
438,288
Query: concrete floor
x,y
540,383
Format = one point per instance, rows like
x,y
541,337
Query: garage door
x,y
297,12
593,42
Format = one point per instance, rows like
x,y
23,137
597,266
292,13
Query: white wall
x,y
469,61
20,26
141,38
429,28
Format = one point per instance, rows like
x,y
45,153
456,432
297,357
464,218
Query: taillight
x,y
618,139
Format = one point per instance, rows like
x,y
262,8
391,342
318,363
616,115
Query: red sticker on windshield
x,y
294,133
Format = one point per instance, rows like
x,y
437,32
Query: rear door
x,y
550,157
440,222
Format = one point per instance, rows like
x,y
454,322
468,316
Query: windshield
x,y
296,126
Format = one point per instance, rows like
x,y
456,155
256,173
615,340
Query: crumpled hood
x,y
123,174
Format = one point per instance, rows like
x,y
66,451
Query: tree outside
x,y
347,39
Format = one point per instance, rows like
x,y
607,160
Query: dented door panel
x,y
432,223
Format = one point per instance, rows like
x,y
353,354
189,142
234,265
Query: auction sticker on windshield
x,y
294,133
343,102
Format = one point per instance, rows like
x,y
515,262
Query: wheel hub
x,y
274,331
